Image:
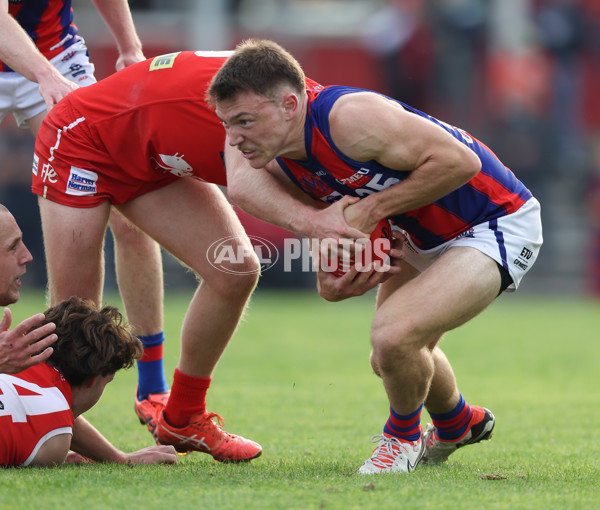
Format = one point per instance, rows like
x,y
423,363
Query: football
x,y
376,250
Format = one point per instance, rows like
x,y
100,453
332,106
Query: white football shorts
x,y
22,98
513,241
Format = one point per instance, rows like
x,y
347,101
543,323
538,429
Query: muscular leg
x,y
443,391
73,242
201,215
138,265
414,311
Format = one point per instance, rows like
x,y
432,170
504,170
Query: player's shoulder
x,y
351,111
44,375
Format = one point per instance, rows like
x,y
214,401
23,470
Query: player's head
x,y
257,66
260,95
14,256
91,342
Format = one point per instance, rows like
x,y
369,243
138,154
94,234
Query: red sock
x,y
188,397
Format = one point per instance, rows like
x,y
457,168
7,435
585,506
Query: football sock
x,y
151,372
453,426
404,427
188,397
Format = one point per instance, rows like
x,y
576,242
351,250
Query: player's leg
x,y
73,241
35,122
455,422
138,265
202,216
409,323
443,395
414,310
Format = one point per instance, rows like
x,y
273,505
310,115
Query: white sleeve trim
x,y
52,433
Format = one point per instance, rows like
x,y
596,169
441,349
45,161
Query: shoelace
x,y
389,448
220,423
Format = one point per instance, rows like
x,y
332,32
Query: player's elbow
x,y
470,164
464,165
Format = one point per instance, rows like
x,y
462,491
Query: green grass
x,y
296,378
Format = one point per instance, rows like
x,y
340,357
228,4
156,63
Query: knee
x,y
392,340
236,285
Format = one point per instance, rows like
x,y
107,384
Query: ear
x,y
290,102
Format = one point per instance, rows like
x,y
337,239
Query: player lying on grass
x,y
473,229
41,407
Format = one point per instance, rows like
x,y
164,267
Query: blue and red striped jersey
x,y
328,174
48,22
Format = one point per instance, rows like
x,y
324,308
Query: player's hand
x,y
129,58
359,280
355,216
54,87
330,222
77,459
351,284
162,454
18,348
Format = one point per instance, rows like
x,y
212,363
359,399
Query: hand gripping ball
x,y
376,249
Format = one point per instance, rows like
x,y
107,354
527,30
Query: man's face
x,y
256,125
13,258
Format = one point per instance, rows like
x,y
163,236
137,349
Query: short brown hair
x,y
91,341
258,66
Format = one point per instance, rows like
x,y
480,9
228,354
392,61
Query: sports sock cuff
x,y
152,340
406,417
191,382
452,414
404,427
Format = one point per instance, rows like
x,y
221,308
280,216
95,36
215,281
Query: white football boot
x,y
393,456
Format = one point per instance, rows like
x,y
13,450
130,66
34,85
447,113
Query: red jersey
x,y
48,22
135,131
35,405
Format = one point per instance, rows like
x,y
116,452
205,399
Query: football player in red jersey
x,y
40,407
472,228
43,59
145,141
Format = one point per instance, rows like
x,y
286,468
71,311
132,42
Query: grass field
x,y
296,378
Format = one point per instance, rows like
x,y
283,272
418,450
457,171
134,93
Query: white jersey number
x,y
45,401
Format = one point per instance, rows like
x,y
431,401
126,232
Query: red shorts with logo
x,y
71,168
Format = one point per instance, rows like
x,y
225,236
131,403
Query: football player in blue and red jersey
x,y
471,229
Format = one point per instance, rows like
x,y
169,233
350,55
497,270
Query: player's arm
x,y
90,443
117,16
269,194
367,126
53,452
21,54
